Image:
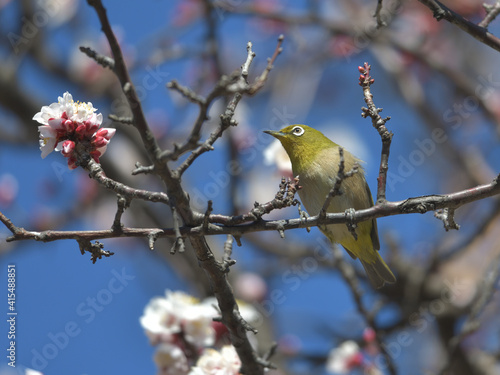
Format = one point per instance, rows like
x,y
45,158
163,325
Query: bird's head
x,y
302,144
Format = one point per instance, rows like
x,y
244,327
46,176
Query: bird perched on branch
x,y
316,160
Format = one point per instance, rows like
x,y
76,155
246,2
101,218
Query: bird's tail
x,y
378,272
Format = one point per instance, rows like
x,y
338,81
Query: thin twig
x,y
142,169
492,11
152,237
10,225
377,15
365,81
187,92
261,80
123,204
228,251
447,215
339,178
178,245
105,61
96,249
96,172
246,65
124,120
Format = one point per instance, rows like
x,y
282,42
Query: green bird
x,y
315,159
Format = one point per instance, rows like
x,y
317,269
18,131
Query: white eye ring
x,y
298,131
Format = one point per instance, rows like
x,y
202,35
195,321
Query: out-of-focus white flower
x,y
160,321
69,121
212,362
179,313
59,11
276,155
250,286
343,359
171,360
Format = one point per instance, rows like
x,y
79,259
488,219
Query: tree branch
x,y
248,222
96,172
440,12
365,81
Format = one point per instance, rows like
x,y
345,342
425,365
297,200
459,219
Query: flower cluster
x,y
184,331
72,127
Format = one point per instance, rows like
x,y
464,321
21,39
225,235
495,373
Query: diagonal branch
x,y
96,172
440,12
121,72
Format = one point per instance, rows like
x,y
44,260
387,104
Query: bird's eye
x,y
298,131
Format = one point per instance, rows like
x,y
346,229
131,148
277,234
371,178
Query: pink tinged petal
x,y
98,119
102,149
55,123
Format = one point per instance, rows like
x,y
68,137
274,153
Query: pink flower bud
x,y
80,130
67,148
95,155
99,142
369,335
354,361
107,133
72,163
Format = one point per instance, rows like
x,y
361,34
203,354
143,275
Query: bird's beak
x,y
275,134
